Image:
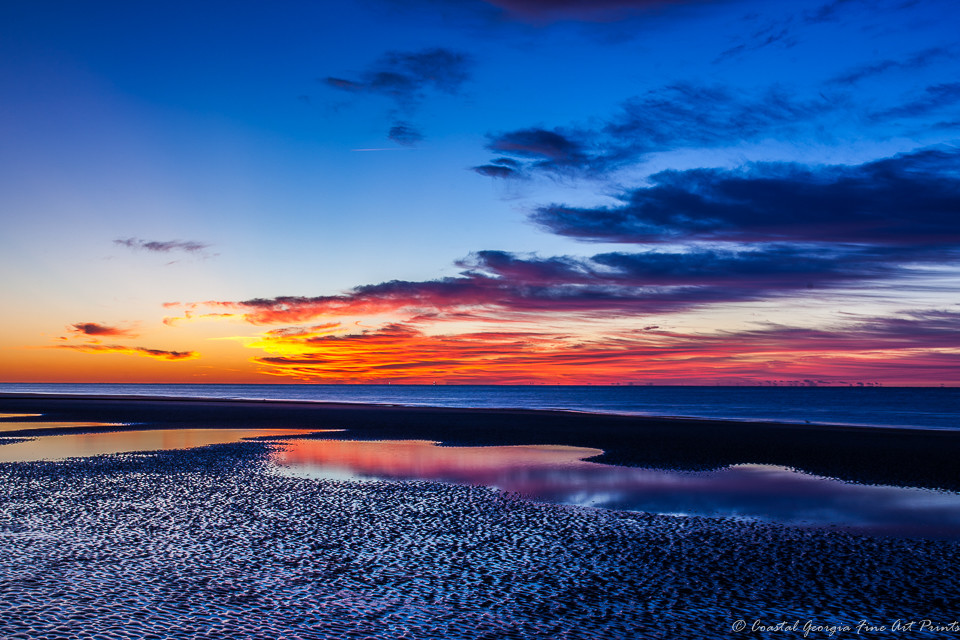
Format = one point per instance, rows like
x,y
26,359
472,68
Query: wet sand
x,y
215,542
211,543
898,457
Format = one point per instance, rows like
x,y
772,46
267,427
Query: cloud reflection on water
x,y
559,474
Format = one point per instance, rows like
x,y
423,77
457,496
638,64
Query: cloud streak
x,y
499,284
935,98
677,116
902,349
163,246
918,60
156,354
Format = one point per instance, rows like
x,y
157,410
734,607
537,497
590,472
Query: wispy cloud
x,y
189,315
935,98
828,11
407,78
787,31
673,117
157,354
911,347
163,246
918,60
404,134
774,33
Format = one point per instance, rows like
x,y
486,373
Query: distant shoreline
x,y
883,455
334,404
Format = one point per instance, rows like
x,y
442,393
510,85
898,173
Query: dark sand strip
x,y
901,457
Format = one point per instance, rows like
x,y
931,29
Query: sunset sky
x,y
481,191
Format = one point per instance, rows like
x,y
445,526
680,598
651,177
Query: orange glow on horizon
x,y
474,348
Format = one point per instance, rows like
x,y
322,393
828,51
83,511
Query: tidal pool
x,y
9,425
80,445
560,474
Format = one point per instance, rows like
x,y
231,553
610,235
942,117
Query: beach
x,y
214,542
903,457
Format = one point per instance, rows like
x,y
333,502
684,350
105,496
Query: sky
x,y
481,191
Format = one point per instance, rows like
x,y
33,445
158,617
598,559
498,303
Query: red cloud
x,y
912,349
638,283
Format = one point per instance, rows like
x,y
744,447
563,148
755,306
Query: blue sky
x,y
316,148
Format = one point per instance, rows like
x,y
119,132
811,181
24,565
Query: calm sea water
x,y
937,408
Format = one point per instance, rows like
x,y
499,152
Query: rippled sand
x,y
210,542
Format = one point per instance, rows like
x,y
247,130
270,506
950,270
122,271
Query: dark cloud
x,y
500,168
96,329
553,147
404,134
916,61
743,273
781,267
652,281
407,76
546,150
165,246
496,171
677,116
910,199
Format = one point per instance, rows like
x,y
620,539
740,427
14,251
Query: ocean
x,y
923,407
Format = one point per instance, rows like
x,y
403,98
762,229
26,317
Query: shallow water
x,y
549,473
94,444
560,475
8,425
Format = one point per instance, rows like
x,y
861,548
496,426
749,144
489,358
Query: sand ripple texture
x,y
211,543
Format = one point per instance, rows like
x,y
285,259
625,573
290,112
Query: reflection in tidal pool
x,y
6,426
93,444
559,474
